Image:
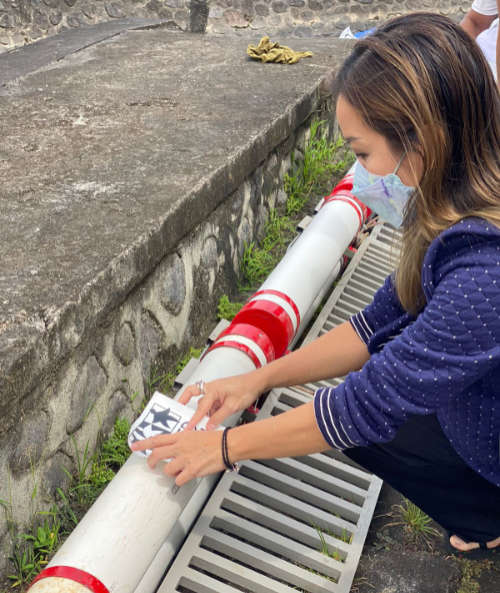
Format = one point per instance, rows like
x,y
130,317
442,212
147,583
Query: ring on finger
x,y
201,386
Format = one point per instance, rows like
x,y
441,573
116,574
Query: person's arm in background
x,y
474,23
498,46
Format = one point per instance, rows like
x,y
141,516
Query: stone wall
x,y
318,17
106,376
24,21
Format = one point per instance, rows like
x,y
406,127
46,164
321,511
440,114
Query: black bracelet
x,y
232,467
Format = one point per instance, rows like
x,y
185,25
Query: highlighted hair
x,y
424,84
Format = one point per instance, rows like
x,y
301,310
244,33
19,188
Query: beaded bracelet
x,y
232,467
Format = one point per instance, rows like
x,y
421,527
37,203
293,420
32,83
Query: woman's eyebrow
x,y
350,139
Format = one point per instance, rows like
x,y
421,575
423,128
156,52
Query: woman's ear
x,y
412,168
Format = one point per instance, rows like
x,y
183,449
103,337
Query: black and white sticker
x,y
162,415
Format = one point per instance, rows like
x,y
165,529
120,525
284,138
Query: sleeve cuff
x,y
331,429
361,327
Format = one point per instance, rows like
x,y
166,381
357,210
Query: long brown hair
x,y
424,84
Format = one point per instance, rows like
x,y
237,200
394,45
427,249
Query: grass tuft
x,y
310,178
227,309
416,523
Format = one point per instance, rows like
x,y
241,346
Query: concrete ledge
x,y
132,173
109,158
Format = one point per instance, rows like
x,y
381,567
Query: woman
x,y
420,405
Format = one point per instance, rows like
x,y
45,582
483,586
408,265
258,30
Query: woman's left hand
x,y
192,454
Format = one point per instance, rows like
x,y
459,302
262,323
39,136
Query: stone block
x,y
87,390
181,17
116,405
235,18
89,10
157,7
6,21
74,21
315,4
151,337
262,9
173,288
114,10
279,7
308,15
124,346
215,12
31,441
55,17
54,475
40,19
245,235
209,255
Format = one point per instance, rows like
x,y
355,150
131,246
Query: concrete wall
x,y
104,377
24,21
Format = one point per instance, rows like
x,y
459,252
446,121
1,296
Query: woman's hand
x,y
193,454
222,398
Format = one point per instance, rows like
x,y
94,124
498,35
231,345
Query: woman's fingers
x,y
202,410
188,393
157,441
174,467
220,415
160,454
189,454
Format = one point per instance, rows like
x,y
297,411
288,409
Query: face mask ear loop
x,y
399,163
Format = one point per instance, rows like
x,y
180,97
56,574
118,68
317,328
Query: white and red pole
x,y
132,531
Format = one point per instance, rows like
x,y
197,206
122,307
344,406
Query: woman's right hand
x,y
222,398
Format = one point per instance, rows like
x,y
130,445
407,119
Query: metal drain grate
x,y
288,525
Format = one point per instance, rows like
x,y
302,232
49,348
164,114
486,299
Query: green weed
x,y
323,159
309,178
32,550
114,451
164,382
416,523
471,570
227,309
324,549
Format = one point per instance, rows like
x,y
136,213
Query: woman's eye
x,y
361,155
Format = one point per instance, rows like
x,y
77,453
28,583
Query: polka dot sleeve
x,y
431,365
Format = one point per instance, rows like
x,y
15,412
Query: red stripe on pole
x,y
272,319
285,297
237,346
254,334
345,184
73,574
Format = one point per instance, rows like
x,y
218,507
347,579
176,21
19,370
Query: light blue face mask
x,y
386,195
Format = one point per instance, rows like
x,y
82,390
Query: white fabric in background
x,y
487,41
488,7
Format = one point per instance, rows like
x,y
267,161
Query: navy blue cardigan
x,y
446,361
